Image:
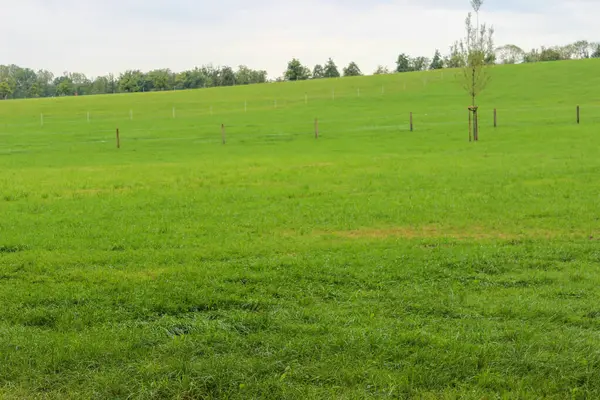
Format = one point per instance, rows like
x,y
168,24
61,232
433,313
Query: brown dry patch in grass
x,y
91,192
105,168
144,275
437,232
424,232
147,274
317,165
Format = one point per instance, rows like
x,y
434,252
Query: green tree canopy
x,y
550,55
381,70
438,61
403,63
352,70
419,64
5,90
243,75
331,70
510,54
100,85
160,79
64,86
318,72
131,81
296,71
227,77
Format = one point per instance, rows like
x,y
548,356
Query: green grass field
x,y
373,262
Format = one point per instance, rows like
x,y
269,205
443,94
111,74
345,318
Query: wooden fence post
x,y
495,118
475,126
470,128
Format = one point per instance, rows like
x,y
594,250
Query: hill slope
x,y
370,263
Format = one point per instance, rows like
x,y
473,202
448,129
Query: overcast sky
x,y
101,36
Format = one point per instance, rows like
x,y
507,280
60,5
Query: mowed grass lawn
x,y
373,262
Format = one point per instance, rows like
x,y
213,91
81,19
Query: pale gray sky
x,y
101,36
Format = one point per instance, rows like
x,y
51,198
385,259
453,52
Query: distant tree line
x,y
509,54
296,71
17,82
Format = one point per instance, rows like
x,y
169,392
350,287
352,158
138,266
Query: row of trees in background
x,y
508,54
511,54
17,82
296,71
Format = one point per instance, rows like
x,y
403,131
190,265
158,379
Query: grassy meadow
x,y
373,262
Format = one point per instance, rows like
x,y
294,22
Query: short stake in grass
x,y
578,115
223,133
411,122
118,140
495,118
473,110
470,126
316,128
475,124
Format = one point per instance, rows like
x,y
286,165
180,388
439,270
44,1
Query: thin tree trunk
x,y
473,87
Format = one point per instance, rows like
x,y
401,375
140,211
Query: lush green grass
x,y
373,262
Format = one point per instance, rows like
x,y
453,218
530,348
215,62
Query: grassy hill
x,y
373,262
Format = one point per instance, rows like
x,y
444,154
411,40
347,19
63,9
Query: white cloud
x,y
101,36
